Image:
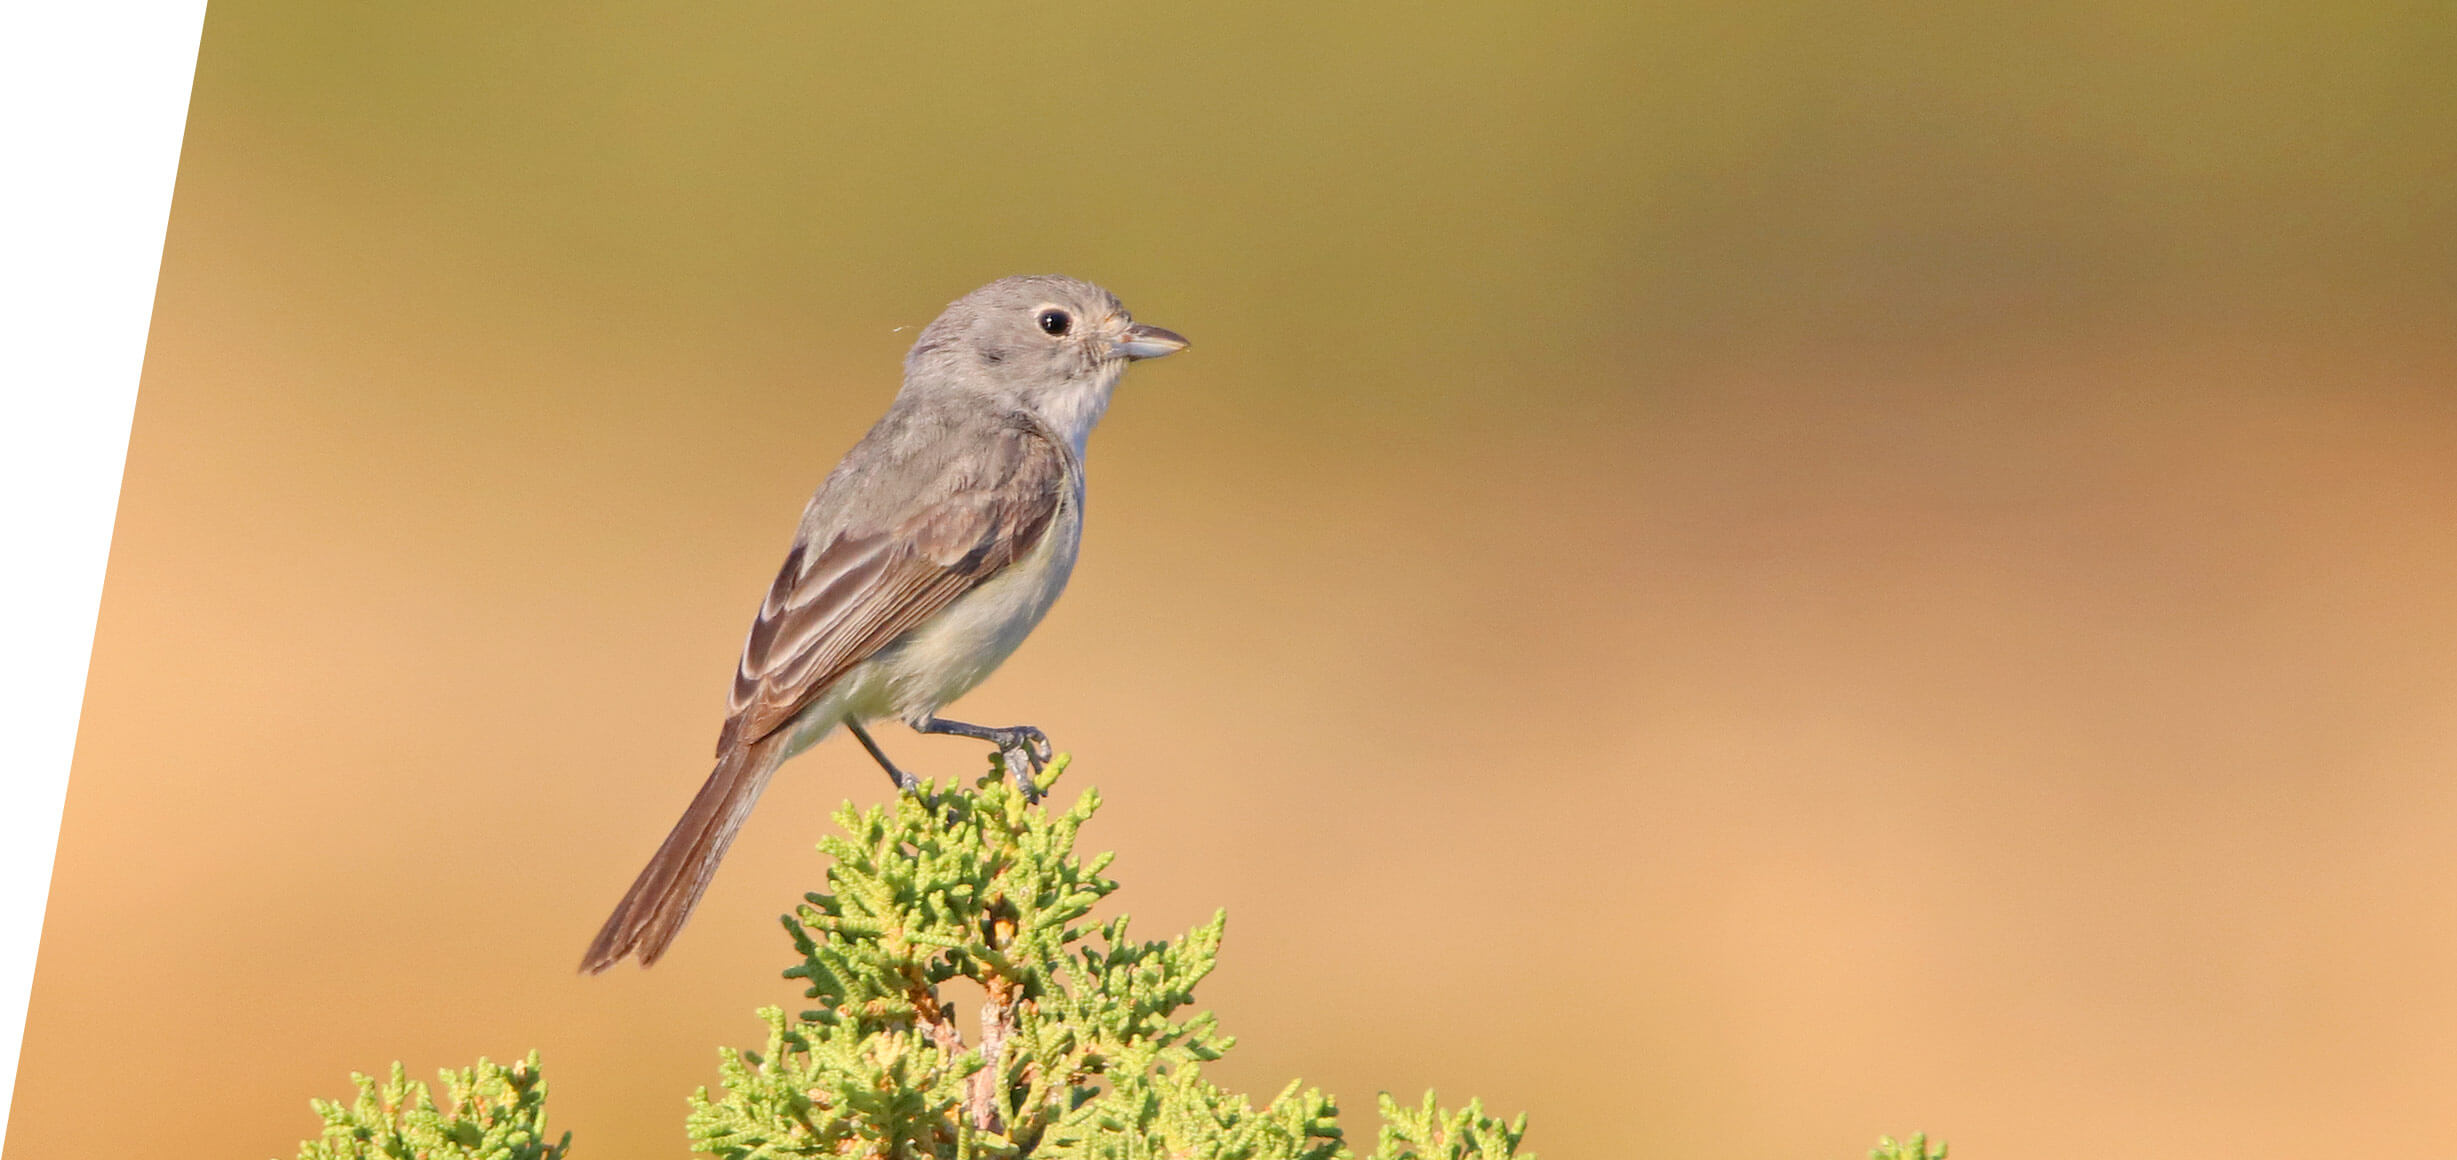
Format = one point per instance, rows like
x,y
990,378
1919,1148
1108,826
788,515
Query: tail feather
x,y
660,900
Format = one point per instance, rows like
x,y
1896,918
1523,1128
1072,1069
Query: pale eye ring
x,y
1054,322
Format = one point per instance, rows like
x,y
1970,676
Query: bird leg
x,y
1025,748
903,780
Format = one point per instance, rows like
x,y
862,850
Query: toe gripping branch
x,y
1024,750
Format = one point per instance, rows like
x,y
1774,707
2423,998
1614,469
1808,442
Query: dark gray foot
x,y
904,781
1025,748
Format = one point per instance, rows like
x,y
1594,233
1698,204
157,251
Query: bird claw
x,y
1026,752
1022,767
1037,747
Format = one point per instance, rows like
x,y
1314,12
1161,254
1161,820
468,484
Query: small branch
x,y
937,1022
997,1023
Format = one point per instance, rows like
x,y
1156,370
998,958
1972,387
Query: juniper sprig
x,y
1087,1044
495,1113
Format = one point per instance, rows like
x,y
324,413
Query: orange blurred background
x,y
1733,576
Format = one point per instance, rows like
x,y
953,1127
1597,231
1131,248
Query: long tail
x,y
660,900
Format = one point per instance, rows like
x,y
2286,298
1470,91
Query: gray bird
x,y
921,563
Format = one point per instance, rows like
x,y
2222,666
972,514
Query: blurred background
x,y
1735,577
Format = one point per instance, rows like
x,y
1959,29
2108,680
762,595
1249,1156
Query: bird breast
x,y
943,659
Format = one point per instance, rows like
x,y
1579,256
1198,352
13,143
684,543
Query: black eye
x,y
1055,322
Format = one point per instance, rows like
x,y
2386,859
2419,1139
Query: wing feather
x,y
837,602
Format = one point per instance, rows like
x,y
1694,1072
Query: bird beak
x,y
1142,341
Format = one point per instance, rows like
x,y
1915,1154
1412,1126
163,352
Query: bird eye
x,y
1055,322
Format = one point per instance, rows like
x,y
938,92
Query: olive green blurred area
x,y
1734,577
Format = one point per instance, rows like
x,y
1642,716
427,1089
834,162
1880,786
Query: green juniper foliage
x,y
497,1113
1085,1045
1429,1130
1913,1148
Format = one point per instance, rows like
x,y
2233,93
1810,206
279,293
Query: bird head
x,y
1053,345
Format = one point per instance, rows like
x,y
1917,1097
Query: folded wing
x,y
835,603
